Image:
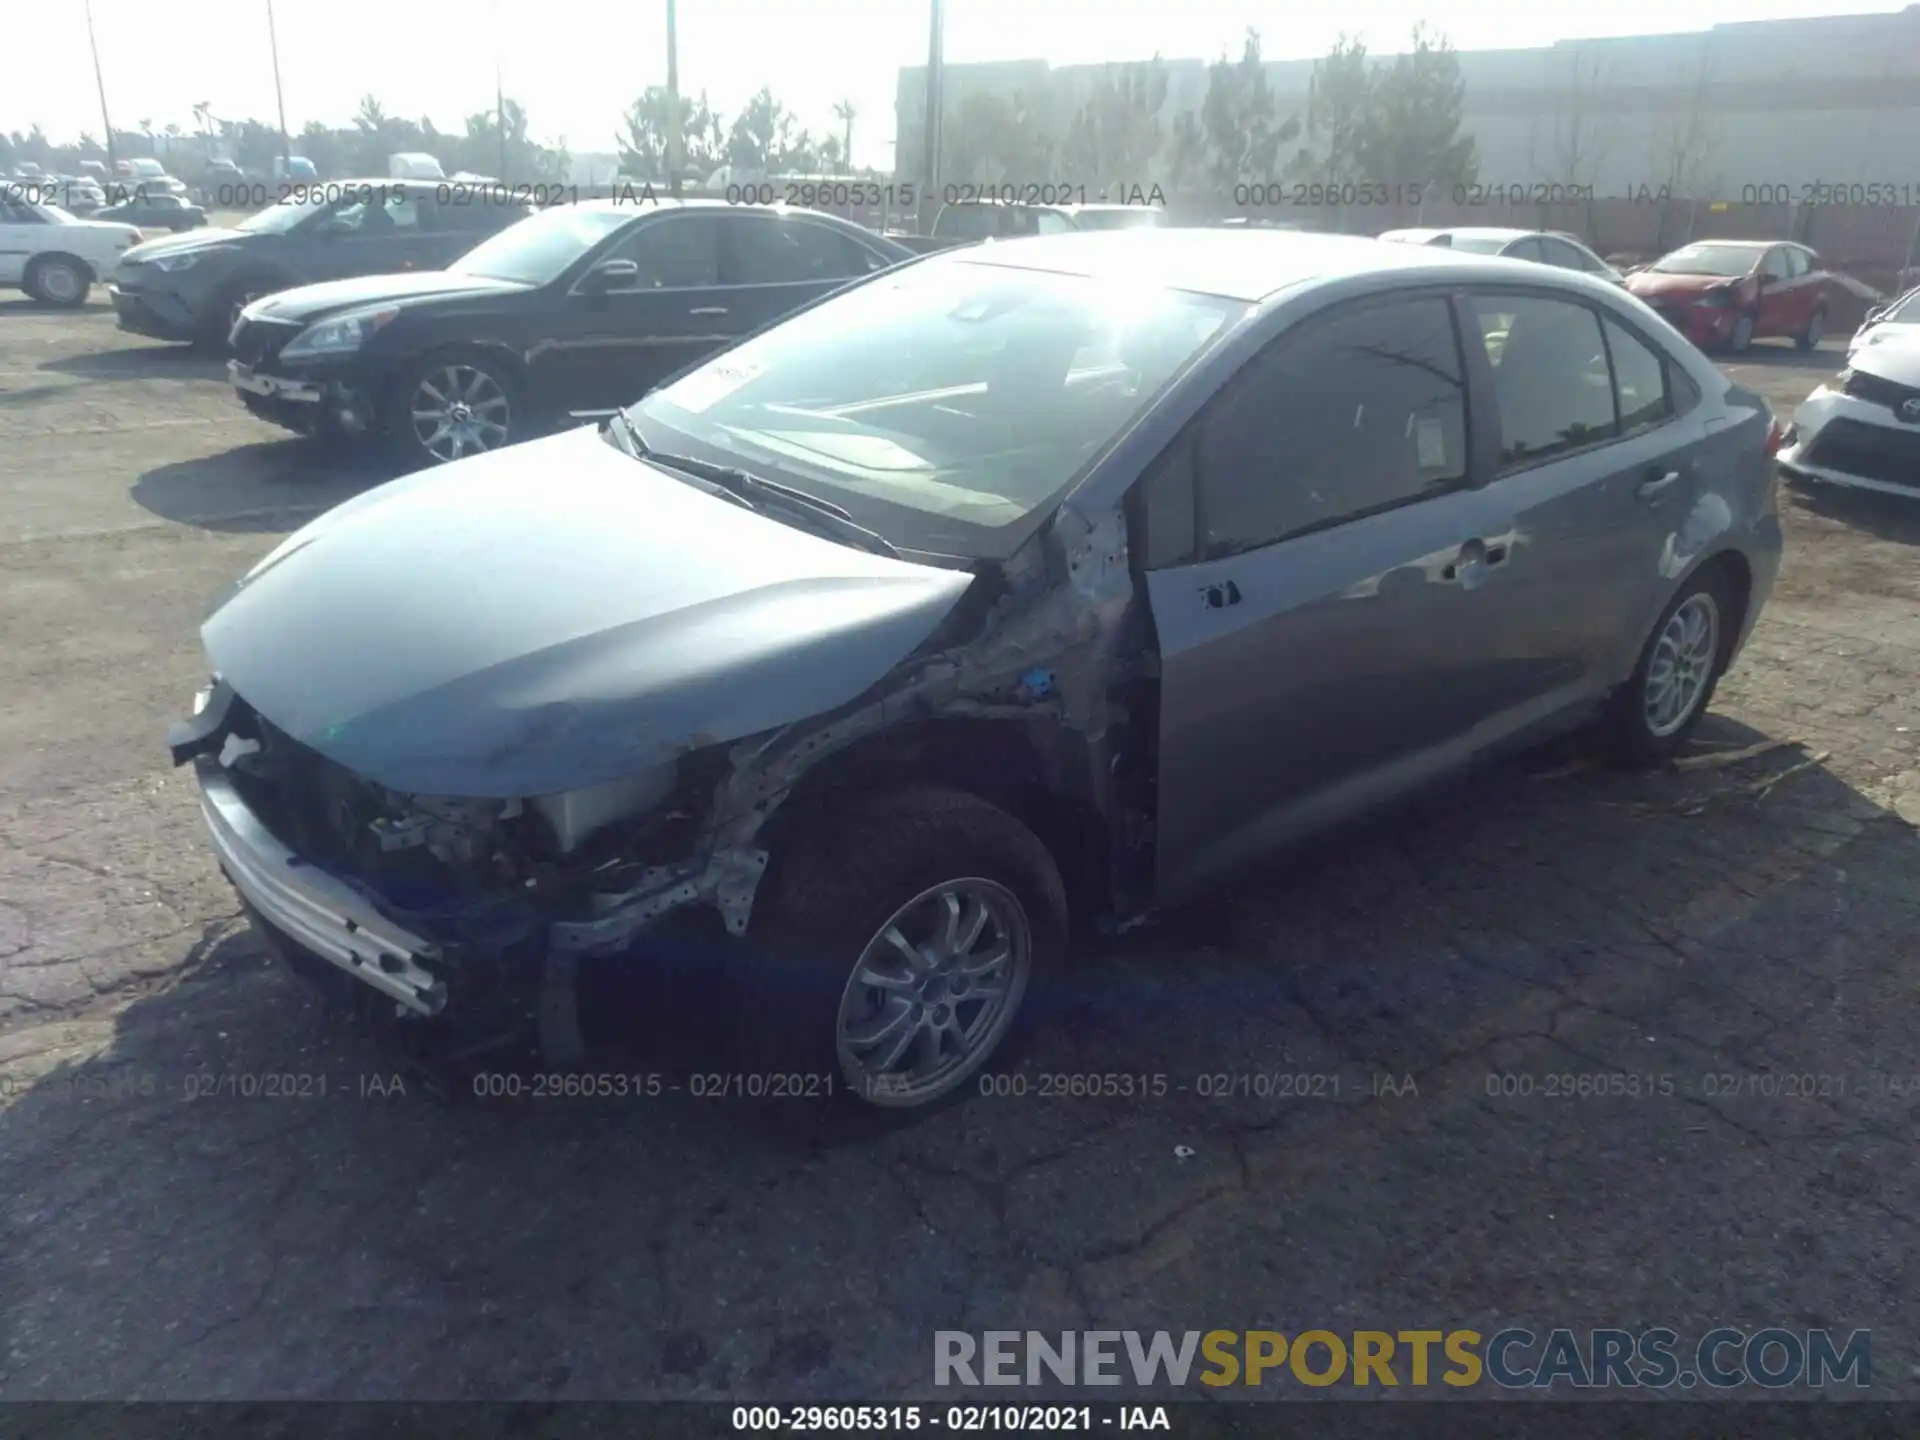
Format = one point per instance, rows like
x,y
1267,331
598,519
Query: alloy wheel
x,y
934,991
1682,665
459,410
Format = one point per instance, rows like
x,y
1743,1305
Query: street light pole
x,y
279,99
936,85
676,142
100,85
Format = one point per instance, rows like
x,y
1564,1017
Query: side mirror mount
x,y
610,275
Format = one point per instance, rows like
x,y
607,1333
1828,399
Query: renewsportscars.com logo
x,y
1514,1359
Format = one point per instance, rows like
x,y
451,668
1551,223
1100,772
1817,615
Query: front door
x,y
389,232
775,264
1779,298
1332,636
22,236
609,347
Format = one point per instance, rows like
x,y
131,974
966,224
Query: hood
x,y
553,615
207,237
309,302
1647,284
1896,358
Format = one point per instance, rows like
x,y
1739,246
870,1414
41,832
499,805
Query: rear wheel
x,y
1652,715
453,405
898,950
58,280
1809,338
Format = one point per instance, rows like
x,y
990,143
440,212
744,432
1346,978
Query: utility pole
x,y
676,142
936,85
100,85
500,114
279,99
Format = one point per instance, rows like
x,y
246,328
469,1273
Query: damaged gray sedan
x,y
1012,585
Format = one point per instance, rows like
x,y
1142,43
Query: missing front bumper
x,y
315,910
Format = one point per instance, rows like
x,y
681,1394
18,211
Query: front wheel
x,y
899,949
1654,712
452,406
1742,336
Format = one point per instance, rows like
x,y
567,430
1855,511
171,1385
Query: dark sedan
x,y
192,287
575,311
155,212
1028,585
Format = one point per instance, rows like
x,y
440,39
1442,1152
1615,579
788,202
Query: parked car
x,y
193,287
151,177
1861,429
156,212
577,310
968,222
1008,587
1543,247
1897,319
292,169
414,165
56,257
82,196
1725,294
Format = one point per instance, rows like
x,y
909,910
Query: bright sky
x,y
577,64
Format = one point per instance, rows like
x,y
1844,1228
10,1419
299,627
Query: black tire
x,y
1741,340
843,877
217,324
404,438
1810,337
58,280
1631,737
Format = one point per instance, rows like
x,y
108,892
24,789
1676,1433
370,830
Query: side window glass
x,y
788,252
1776,264
1558,252
1551,378
1799,263
1639,379
1528,249
676,252
1355,412
1166,507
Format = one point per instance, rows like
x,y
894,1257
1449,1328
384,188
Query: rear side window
x,y
1558,252
1639,379
1528,249
1350,414
1551,379
790,252
1799,262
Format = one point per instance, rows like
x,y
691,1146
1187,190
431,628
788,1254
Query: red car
x,y
1725,294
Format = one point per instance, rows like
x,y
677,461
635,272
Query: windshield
x,y
1129,219
1905,310
279,218
538,249
1724,260
943,403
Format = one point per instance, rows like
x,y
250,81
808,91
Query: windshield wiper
x,y
754,491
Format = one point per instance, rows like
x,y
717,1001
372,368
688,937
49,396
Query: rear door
x,y
607,348
1326,623
771,265
1599,469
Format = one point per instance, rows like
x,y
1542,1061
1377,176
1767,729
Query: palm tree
x,y
844,112
146,129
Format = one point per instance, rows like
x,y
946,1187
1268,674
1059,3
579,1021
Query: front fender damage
x,y
1056,649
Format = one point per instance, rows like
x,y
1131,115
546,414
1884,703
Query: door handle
x,y
1476,557
1655,486
1218,597
709,310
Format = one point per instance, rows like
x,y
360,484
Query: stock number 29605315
x,y
1122,1085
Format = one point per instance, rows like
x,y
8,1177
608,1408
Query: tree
x,y
1243,135
1685,143
643,140
765,140
1418,102
522,159
1117,135
1340,117
845,112
1187,156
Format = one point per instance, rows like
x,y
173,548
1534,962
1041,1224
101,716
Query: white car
x,y
1862,428
54,257
1897,318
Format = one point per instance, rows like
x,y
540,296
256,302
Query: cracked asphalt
x,y
1753,921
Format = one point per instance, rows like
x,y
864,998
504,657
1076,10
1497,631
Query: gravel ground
x,y
1540,920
